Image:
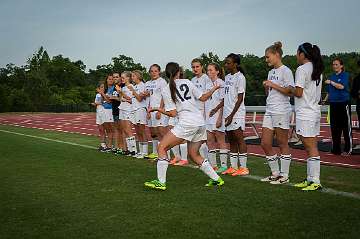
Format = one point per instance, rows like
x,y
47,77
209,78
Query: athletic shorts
x,y
162,122
190,133
307,128
272,121
236,123
173,121
116,118
212,127
104,116
127,115
140,116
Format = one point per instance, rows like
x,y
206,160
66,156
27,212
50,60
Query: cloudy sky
x,y
160,31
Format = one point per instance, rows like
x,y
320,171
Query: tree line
x,y
59,81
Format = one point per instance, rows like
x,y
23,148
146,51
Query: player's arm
x,y
208,94
217,108
283,90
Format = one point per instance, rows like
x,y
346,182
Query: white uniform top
x,y
99,100
147,88
276,102
186,107
307,106
139,88
125,105
155,87
200,83
234,85
214,100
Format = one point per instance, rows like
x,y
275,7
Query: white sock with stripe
x,y
234,160
273,164
208,170
285,161
155,143
212,157
243,159
162,165
223,157
314,165
184,151
145,148
176,151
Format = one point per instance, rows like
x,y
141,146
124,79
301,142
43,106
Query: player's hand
x,y
212,112
158,115
100,90
118,88
268,83
228,120
219,122
328,82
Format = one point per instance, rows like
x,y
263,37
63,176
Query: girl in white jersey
x,y
180,99
308,79
234,115
215,124
126,113
278,86
139,107
100,115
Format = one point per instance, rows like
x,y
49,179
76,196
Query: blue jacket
x,y
336,95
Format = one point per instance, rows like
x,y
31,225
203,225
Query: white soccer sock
x,y
234,160
133,144
243,159
212,157
140,144
176,151
204,151
168,154
162,165
184,152
223,157
314,163
155,143
128,144
208,170
145,148
273,164
285,161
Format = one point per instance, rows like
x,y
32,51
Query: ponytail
x,y
312,53
171,70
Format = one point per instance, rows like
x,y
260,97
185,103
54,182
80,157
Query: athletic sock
x,y
145,148
314,169
212,157
243,159
155,143
223,157
133,144
176,151
128,143
208,170
204,151
162,165
234,160
273,164
285,161
183,151
140,144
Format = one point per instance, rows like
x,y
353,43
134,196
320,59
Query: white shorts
x,y
140,116
307,128
162,122
173,121
190,133
237,123
127,115
104,116
212,127
272,121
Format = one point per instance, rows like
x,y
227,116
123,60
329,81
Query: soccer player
x,y
307,92
179,99
100,115
215,124
278,87
234,115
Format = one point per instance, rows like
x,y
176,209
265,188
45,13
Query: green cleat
x,y
221,169
155,184
211,183
313,187
151,156
302,184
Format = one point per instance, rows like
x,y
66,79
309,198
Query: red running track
x,y
84,123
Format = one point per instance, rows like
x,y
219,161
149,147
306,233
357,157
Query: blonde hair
x,y
127,73
138,73
275,48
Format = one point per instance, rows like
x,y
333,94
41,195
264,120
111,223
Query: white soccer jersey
x,y
200,83
234,85
155,87
139,88
147,88
214,100
276,102
99,100
307,106
187,110
125,105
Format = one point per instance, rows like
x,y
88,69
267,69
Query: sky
x,y
160,31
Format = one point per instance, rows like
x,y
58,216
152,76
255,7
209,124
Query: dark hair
x,y
155,65
181,76
236,59
275,48
171,69
106,86
312,53
219,69
341,63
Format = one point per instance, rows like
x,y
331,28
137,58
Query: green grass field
x,y
55,190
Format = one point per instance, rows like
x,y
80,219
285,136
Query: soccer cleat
x,y
139,156
212,182
221,169
280,180
119,152
155,184
173,161
302,184
151,156
270,178
312,187
182,163
241,172
106,150
229,171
